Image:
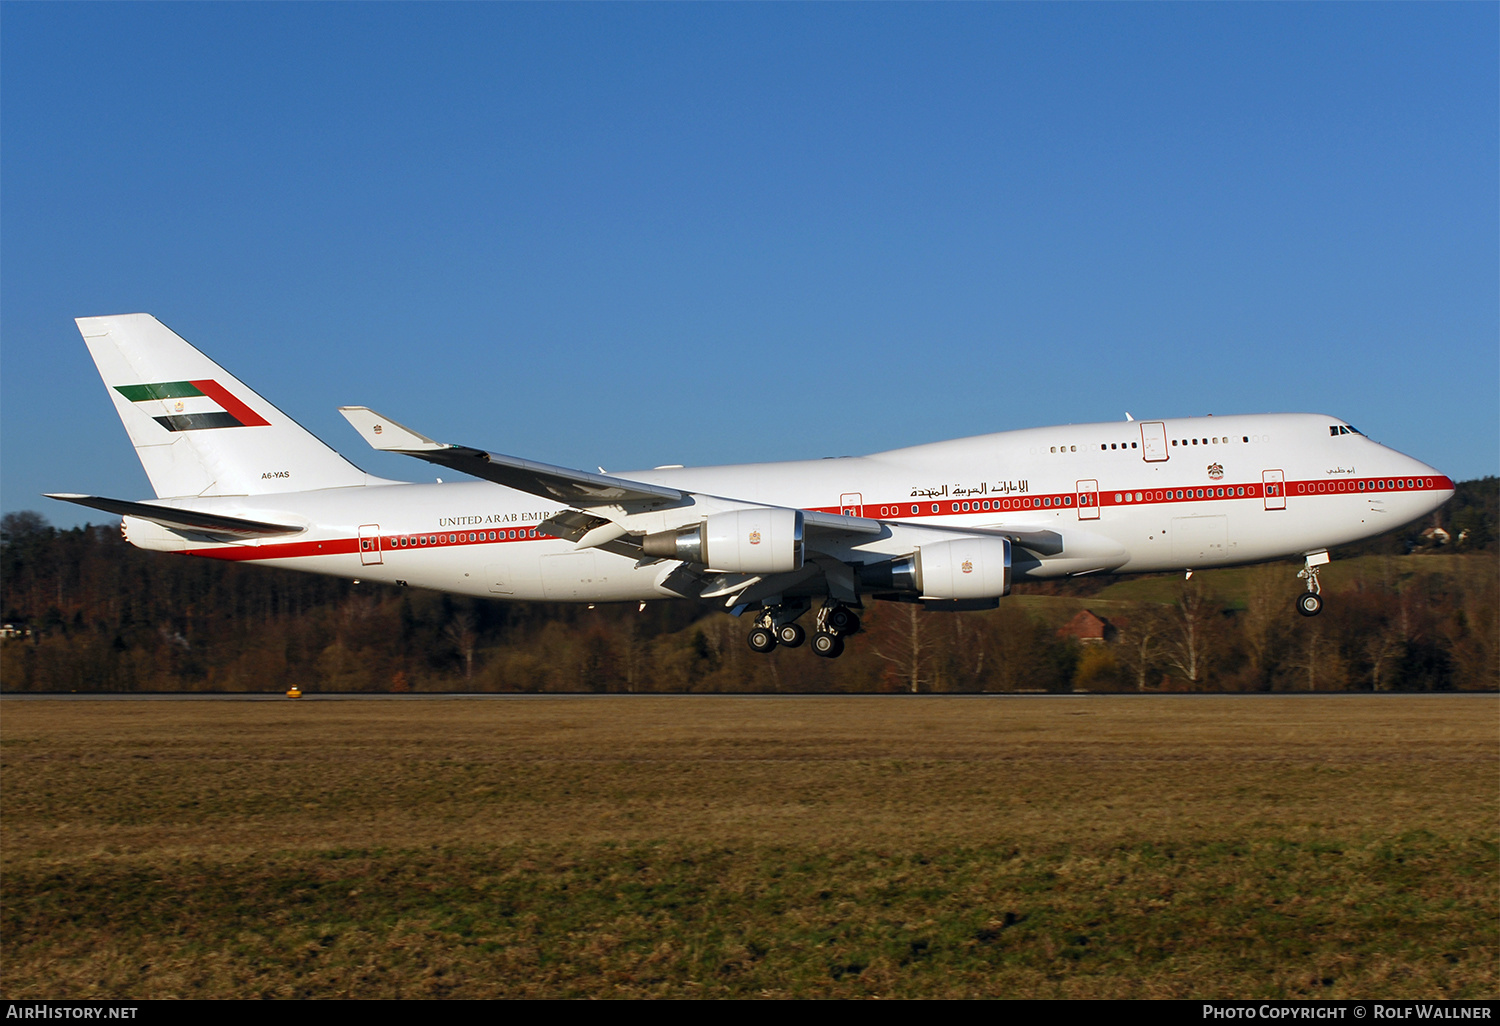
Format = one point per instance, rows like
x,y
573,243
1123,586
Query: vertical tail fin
x,y
196,428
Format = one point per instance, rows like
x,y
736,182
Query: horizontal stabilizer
x,y
560,484
181,519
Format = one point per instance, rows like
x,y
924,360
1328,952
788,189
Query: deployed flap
x,y
573,487
1043,543
839,522
181,519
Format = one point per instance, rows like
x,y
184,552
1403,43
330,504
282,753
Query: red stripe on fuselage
x,y
342,546
390,544
1068,501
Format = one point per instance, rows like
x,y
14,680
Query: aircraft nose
x,y
1435,486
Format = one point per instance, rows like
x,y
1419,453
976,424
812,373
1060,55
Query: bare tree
x,y
1141,636
1383,647
1193,616
1263,625
463,632
905,648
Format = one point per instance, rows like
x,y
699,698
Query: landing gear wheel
x,y
829,646
791,635
1309,604
844,620
761,639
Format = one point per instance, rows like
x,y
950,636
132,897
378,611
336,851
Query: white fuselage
x,y
1122,497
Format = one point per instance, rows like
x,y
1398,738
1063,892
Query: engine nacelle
x,y
961,569
964,568
751,541
147,534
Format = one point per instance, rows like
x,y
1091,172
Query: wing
x,y
560,484
617,515
577,488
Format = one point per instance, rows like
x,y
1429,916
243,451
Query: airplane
x,y
951,525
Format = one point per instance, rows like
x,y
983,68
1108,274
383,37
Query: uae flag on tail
x,y
191,405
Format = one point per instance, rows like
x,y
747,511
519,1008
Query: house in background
x,y
1087,628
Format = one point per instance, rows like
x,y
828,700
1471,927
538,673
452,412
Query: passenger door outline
x,y
1088,500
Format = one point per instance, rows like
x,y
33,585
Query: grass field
x,y
1024,847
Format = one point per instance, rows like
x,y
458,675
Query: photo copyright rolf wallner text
x,y
1375,1011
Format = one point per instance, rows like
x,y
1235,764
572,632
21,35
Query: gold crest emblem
x,y
1215,471
967,566
754,537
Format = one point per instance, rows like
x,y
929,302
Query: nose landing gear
x,y
1310,603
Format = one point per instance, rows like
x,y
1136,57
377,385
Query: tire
x,y
843,621
761,640
1309,604
791,635
829,646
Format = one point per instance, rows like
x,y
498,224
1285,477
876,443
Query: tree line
x,y
1416,609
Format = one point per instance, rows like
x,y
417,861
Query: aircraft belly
x,y
1200,541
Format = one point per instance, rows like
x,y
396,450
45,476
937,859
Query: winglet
x,y
385,434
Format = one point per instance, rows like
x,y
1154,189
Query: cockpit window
x,y
1343,429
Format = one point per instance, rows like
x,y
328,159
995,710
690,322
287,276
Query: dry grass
x,y
1133,846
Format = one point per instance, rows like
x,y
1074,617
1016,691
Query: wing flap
x,y
839,523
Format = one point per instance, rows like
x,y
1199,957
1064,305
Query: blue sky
x,y
639,234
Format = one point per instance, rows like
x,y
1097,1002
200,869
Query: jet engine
x,y
961,569
144,534
752,541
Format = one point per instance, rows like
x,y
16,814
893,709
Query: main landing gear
x,y
1310,602
776,626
